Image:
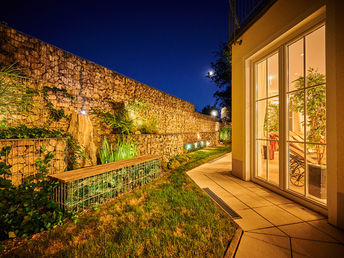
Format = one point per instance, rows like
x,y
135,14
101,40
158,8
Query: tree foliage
x,y
313,99
208,108
222,75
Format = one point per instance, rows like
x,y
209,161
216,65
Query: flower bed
x,y
90,186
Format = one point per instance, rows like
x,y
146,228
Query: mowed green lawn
x,y
171,216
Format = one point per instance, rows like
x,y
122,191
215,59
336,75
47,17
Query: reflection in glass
x,y
315,51
261,120
261,80
316,168
296,63
262,158
273,75
272,118
296,167
296,116
316,114
273,166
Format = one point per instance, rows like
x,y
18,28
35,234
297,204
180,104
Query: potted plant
x,y
271,126
315,106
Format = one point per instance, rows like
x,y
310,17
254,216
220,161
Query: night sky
x,y
167,44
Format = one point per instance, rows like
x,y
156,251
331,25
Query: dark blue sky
x,y
167,44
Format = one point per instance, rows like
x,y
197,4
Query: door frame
x,y
280,46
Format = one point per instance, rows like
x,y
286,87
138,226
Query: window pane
x,y
316,168
262,158
262,125
315,57
273,75
296,116
316,114
261,80
296,167
273,162
272,118
296,65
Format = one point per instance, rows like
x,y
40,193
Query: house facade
x,y
288,99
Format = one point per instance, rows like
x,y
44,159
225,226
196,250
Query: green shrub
x,y
149,127
125,149
182,158
28,208
225,134
164,163
74,150
173,164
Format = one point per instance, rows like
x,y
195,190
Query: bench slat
x,y
81,173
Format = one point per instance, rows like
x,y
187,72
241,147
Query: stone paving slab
x,y
273,226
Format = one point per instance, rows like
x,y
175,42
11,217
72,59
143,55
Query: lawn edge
x,y
233,246
234,242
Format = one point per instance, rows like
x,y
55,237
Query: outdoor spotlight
x,y
213,113
83,112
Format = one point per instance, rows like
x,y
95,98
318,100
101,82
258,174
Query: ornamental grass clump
x,y
125,149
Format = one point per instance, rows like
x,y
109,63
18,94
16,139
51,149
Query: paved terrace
x,y
272,225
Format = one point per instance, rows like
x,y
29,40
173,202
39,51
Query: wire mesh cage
x,y
24,154
75,193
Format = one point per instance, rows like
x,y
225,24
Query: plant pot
x,y
317,180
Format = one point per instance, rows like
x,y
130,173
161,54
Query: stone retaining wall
x,y
24,154
93,86
167,145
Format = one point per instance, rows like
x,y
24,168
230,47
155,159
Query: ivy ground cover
x,y
171,216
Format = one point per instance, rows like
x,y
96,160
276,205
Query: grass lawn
x,y
171,216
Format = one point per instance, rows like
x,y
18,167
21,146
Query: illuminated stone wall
x,y
167,145
93,86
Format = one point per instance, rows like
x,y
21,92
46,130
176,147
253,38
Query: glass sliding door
x,y
306,116
267,119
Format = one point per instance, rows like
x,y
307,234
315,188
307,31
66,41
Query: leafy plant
x,y
149,126
126,116
271,119
125,149
120,121
315,104
15,95
28,208
74,150
55,114
225,134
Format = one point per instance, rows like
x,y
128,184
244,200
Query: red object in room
x,y
272,146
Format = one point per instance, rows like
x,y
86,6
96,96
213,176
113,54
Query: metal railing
x,y
240,13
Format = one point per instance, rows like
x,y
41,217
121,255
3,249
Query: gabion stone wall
x,y
93,86
24,154
86,187
166,145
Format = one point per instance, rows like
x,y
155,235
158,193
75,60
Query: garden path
x,y
272,225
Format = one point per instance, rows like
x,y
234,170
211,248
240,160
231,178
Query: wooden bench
x,y
90,186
